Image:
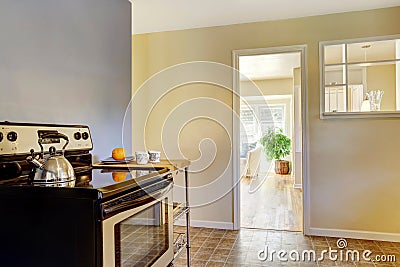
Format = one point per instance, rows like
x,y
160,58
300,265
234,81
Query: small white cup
x,y
154,156
141,157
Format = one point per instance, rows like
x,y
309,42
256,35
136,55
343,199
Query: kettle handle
x,y
53,135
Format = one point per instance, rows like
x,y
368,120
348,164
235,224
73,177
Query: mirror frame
x,y
335,115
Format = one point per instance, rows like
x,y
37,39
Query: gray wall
x,y
68,61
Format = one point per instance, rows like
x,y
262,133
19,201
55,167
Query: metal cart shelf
x,y
182,240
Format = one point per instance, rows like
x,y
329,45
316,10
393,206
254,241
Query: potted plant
x,y
277,146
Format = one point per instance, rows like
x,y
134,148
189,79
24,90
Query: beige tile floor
x,y
214,247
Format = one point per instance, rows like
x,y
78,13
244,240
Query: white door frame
x,y
236,128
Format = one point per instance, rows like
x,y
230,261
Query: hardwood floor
x,y
271,203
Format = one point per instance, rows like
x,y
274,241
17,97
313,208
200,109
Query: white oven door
x,y
141,236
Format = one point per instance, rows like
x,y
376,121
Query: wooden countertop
x,y
175,164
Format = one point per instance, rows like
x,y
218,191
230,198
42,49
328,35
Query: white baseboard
x,y
206,224
297,186
392,237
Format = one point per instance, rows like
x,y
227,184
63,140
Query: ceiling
x,y
269,66
162,15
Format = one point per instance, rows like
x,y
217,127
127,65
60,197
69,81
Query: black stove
x,y
105,182
36,218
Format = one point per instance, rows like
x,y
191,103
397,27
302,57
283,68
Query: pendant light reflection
x,y
366,105
365,47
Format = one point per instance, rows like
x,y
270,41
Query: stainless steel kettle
x,y
54,169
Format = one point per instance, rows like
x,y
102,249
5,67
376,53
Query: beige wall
x,y
383,77
354,184
139,75
267,87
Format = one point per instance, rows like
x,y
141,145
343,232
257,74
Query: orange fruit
x,y
119,176
118,153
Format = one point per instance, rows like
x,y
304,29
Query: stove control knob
x,y
85,136
77,135
12,136
1,136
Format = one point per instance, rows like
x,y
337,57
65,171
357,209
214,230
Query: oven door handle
x,y
132,203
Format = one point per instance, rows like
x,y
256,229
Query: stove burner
x,y
9,170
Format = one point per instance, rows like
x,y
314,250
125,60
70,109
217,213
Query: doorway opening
x,y
270,88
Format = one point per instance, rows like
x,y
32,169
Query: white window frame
x,y
346,114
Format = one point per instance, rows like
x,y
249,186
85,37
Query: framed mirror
x,y
360,77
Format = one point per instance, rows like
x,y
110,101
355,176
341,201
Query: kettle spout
x,y
35,162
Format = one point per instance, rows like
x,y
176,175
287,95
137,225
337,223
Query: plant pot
x,y
282,167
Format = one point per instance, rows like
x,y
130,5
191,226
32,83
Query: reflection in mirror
x,y
361,75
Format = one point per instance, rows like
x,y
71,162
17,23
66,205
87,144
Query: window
x,y
255,120
360,77
272,116
248,129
